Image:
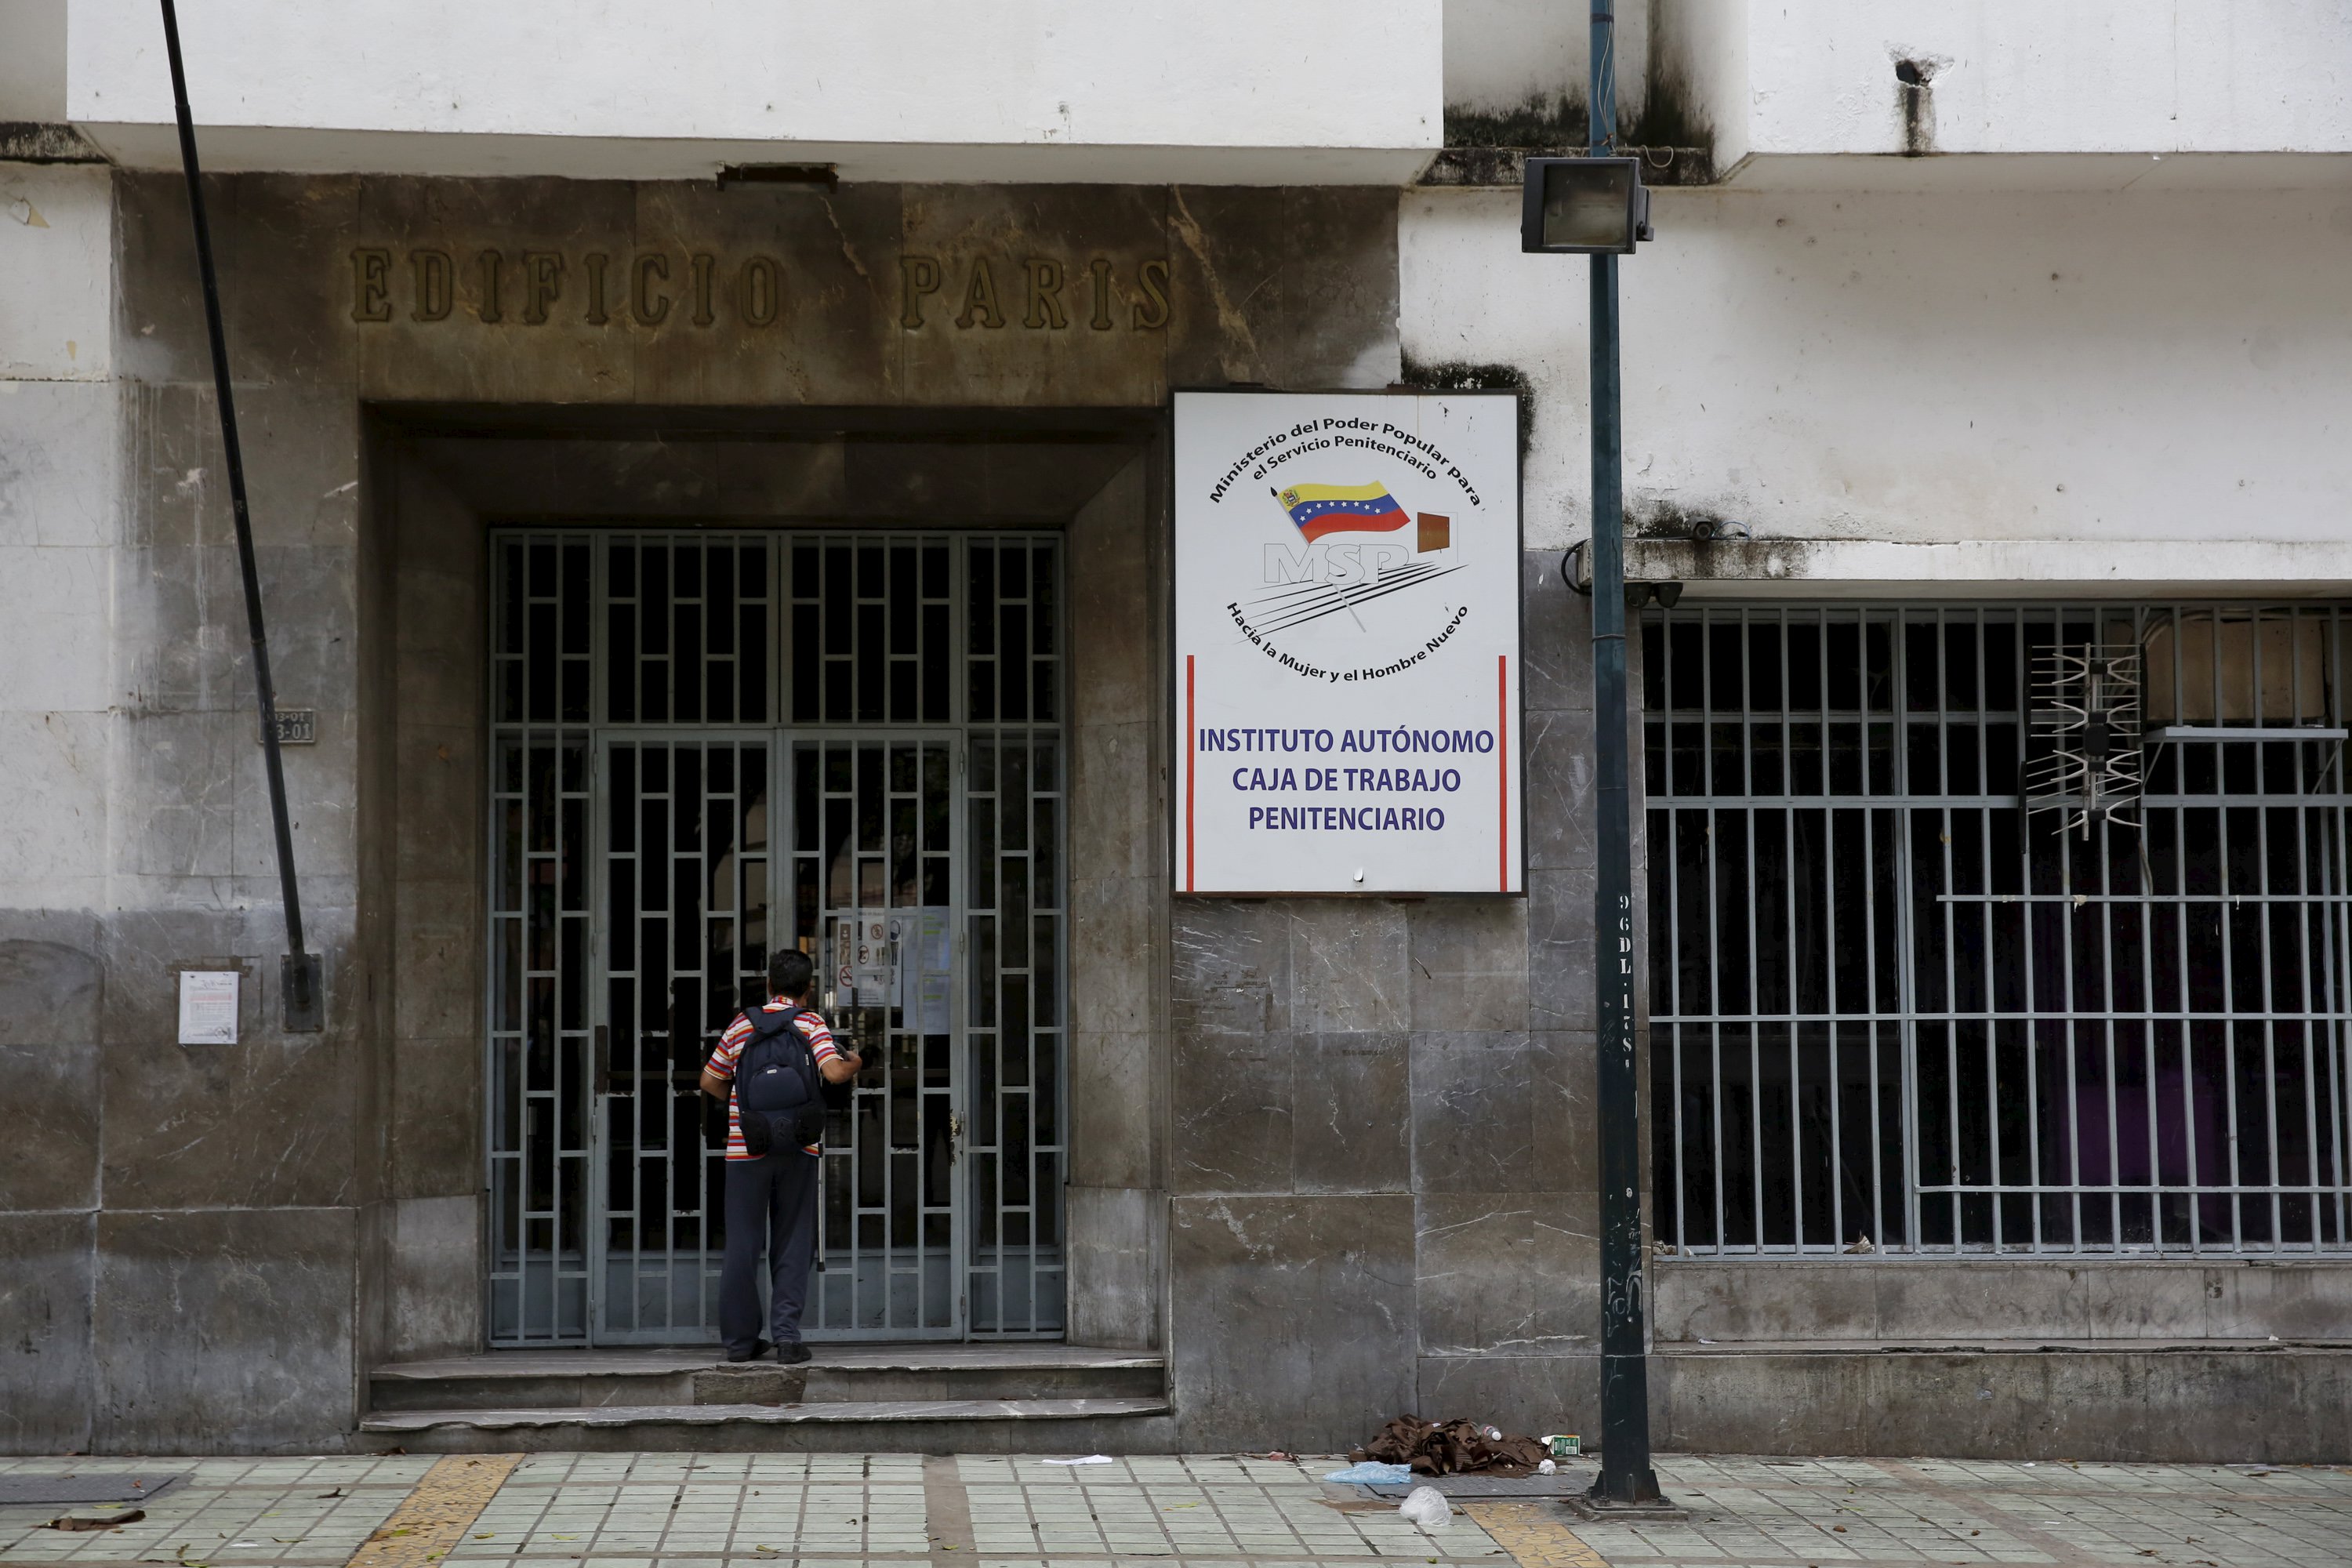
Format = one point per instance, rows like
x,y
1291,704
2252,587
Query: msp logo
x,y
1327,567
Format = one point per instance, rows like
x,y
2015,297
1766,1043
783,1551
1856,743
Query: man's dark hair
x,y
789,973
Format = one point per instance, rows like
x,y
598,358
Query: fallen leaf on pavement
x,y
111,1521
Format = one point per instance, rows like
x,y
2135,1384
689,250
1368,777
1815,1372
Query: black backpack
x,y
780,1100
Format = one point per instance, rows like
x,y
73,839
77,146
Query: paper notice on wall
x,y
208,1008
924,941
862,970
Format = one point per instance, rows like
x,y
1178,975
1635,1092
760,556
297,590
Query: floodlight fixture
x,y
1584,206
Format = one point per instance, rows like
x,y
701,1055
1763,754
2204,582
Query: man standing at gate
x,y
771,1194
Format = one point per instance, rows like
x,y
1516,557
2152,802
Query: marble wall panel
x,y
522,477
1260,307
1473,1111
1560,792
1112,957
1562,1083
52,979
2300,1300
1559,954
438,792
1350,963
53,842
1116,1241
1509,1274
49,1097
267,1122
1229,964
272,1370
1470,964
57,640
1114,1132
1351,1122
279,243
835,335
1232,1113
176,780
1556,632
435,1273
458,355
47,1369
1291,1319
1534,1394
434,1113
61,480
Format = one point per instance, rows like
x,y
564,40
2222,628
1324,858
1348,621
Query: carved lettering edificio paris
x,y
697,289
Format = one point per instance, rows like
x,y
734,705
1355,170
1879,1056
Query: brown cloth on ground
x,y
1451,1448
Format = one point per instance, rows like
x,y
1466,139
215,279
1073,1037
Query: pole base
x,y
1585,1505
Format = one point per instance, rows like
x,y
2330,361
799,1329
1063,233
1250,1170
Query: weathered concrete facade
x,y
1331,1158
574,352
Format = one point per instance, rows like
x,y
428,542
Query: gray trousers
x,y
770,1202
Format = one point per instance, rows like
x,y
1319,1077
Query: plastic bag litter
x,y
1427,1507
1548,1468
1089,1459
1373,1473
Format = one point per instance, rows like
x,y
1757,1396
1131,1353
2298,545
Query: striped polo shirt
x,y
723,1062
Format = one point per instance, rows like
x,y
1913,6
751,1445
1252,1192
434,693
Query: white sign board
x,y
208,1007
1347,697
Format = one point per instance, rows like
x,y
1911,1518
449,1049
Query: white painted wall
x,y
2028,76
33,60
1329,89
1501,54
2014,383
60,486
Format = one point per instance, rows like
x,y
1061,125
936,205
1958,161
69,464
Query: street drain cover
x,y
80,1486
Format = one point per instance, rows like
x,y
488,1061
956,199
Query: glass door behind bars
x,y
690,874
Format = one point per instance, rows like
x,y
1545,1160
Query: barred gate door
x,y
670,802
686,905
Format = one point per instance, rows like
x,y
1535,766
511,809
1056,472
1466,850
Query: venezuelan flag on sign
x,y
1318,510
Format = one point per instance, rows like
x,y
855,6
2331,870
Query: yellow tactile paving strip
x,y
1533,1534
436,1515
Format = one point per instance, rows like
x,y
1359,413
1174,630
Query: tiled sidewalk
x,y
717,1510
287,1513
1859,1513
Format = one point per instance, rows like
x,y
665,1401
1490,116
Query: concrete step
x,y
588,1379
844,1426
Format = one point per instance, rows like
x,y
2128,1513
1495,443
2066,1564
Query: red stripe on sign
x,y
1192,744
1503,766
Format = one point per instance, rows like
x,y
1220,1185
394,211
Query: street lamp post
x,y
1596,206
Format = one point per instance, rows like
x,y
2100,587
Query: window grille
x,y
1891,1011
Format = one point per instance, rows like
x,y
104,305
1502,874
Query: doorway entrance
x,y
707,745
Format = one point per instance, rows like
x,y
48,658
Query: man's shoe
x,y
794,1354
758,1348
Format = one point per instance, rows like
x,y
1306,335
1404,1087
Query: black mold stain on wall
x,y
1461,375
1915,102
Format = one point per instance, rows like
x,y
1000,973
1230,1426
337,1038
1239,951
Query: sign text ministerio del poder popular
x,y
1347,643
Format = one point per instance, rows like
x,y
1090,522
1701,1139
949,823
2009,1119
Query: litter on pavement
x,y
1427,1507
1373,1473
1089,1459
1451,1449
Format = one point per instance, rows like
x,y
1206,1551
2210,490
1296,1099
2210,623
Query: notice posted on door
x,y
1346,703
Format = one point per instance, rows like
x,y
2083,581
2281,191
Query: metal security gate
x,y
704,744
1893,1010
